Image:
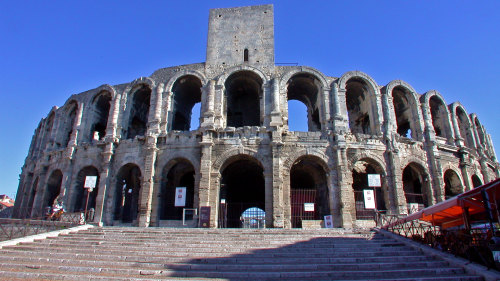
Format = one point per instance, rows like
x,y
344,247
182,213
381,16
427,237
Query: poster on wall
x,y
308,207
328,221
180,197
369,199
374,180
205,216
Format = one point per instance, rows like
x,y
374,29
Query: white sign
x,y
90,181
309,207
328,221
374,180
413,208
180,197
369,199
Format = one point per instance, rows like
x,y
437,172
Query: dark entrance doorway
x,y
177,173
80,194
308,191
242,187
360,172
128,185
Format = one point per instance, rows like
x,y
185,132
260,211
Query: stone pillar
x,y
74,133
269,199
396,193
459,139
166,114
334,193
347,205
205,176
156,113
433,158
484,171
276,187
146,195
325,96
104,181
114,111
209,109
464,167
276,119
219,106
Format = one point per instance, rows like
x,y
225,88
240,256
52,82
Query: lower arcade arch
x,y
309,196
53,188
127,191
79,194
416,187
476,181
176,174
452,184
242,193
361,169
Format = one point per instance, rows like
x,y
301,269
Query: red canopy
x,y
450,213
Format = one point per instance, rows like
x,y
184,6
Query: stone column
x,y
276,119
396,193
74,133
209,110
433,158
166,115
325,94
459,139
205,176
114,111
347,205
464,167
146,195
104,181
276,187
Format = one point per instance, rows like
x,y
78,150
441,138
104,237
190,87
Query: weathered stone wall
x,y
392,130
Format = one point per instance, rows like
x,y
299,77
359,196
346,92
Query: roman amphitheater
x,y
137,139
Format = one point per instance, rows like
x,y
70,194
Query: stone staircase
x,y
128,253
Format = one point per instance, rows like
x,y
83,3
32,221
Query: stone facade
x,y
136,139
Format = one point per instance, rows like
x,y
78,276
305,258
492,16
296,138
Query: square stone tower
x,y
241,35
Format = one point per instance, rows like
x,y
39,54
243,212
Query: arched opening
x,y
476,181
178,173
243,92
415,186
439,116
245,55
31,199
139,112
242,187
360,185
80,193
305,89
297,116
309,195
127,191
47,131
99,112
464,126
68,124
480,133
53,188
359,106
186,94
405,116
452,184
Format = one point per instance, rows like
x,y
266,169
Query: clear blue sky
x,y
53,49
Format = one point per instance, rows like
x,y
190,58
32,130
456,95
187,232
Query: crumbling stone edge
x,y
468,266
45,235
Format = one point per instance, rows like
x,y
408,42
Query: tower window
x,y
245,55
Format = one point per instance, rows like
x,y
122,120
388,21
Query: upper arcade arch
x,y
138,100
243,94
404,109
464,124
186,92
307,88
67,123
361,103
98,115
439,115
481,136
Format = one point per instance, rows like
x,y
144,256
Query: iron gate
x,y
298,197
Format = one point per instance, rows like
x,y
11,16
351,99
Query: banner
x,y
374,180
180,197
369,199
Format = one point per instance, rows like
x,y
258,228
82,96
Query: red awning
x,y
449,213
